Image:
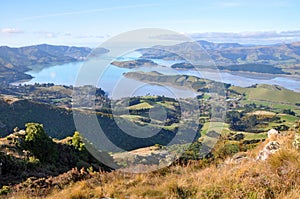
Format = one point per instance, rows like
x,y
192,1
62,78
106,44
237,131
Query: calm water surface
x,y
116,85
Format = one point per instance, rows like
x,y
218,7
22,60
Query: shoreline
x,y
261,78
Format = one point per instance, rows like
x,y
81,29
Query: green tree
x,y
77,141
289,112
251,121
39,143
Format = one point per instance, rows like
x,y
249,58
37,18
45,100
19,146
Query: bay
x,y
116,85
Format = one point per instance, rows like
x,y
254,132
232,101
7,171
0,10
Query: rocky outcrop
x,y
272,133
296,142
269,149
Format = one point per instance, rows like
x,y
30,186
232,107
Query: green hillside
x,y
17,112
269,93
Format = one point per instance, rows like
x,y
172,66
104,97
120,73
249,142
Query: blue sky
x,y
88,23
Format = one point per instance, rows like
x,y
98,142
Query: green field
x,y
219,127
269,93
143,105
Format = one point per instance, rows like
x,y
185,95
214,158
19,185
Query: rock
x,y
269,149
272,133
296,142
237,158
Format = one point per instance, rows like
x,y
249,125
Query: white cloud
x,y
259,37
11,30
258,34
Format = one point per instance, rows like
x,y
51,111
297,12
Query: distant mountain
x,y
284,56
15,61
213,46
20,58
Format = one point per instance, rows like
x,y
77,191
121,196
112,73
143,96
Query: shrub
x,y
5,190
289,112
38,142
77,141
224,149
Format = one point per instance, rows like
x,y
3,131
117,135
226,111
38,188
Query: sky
x,y
90,22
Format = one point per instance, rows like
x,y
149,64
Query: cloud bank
x,y
11,30
259,37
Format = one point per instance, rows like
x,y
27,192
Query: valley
x,y
150,99
220,121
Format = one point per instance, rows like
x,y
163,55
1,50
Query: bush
x,y
5,190
224,149
77,141
38,142
289,112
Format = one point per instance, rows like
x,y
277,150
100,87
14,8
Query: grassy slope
x,y
269,93
274,178
143,105
16,113
277,98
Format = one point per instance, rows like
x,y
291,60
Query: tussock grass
x,y
278,177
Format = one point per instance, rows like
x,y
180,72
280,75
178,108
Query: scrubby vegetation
x,y
228,169
32,153
220,176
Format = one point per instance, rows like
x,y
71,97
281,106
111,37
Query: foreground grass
x,y
278,177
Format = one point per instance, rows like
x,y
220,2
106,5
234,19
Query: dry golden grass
x,y
278,177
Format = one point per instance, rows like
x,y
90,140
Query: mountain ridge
x,y
284,56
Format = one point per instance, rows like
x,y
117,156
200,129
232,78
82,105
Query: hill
x,y
229,173
30,153
15,61
184,81
269,93
17,112
284,56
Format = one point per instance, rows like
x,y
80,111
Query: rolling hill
x,y
284,56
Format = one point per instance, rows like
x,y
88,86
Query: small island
x,y
183,65
184,81
251,67
134,63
